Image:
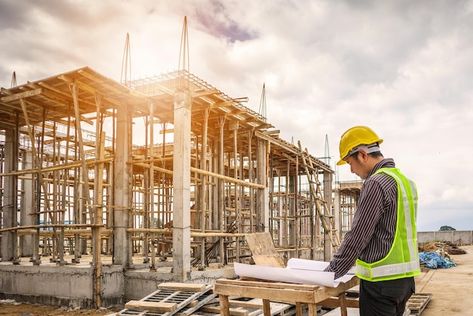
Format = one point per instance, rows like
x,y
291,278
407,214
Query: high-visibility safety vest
x,y
402,260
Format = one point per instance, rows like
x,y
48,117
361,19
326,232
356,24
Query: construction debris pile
x,y
434,255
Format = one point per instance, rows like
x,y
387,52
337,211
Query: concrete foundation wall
x,y
72,286
463,237
63,286
47,285
139,284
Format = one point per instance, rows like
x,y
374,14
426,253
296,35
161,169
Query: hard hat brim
x,y
341,162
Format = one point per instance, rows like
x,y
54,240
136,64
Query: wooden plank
x,y
333,302
270,285
250,304
187,287
273,294
231,311
21,95
151,306
263,251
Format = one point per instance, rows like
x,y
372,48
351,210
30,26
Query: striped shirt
x,y
374,222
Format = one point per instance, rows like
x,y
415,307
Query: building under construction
x,y
108,189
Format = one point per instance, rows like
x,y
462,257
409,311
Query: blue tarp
x,y
433,260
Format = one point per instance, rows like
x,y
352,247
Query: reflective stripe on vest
x,y
395,264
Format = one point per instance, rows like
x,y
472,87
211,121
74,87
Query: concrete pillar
x,y
262,195
9,207
27,207
121,242
181,185
329,215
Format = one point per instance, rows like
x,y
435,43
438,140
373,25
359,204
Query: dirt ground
x,y
20,309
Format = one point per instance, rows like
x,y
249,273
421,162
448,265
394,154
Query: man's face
x,y
358,165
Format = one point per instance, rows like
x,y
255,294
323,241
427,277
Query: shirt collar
x,y
385,163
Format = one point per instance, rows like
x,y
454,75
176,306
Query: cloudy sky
x,y
404,68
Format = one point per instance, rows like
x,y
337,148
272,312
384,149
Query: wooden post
x,y
298,309
224,305
266,307
343,304
85,199
312,310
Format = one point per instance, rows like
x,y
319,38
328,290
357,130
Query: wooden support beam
x,y
151,306
21,95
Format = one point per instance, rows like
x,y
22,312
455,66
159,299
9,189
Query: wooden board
x,y
263,251
151,306
187,287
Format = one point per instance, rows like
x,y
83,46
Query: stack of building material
x,y
195,299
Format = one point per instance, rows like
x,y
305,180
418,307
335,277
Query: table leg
x,y
312,310
343,304
266,308
298,309
224,305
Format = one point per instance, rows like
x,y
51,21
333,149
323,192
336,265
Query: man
x,y
383,240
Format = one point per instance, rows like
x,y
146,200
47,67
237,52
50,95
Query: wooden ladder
x,y
316,195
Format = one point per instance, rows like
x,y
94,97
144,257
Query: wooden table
x,y
297,294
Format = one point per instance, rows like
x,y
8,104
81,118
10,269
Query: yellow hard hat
x,y
354,137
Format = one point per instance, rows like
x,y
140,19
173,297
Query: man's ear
x,y
362,156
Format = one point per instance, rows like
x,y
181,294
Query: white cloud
x,y
401,67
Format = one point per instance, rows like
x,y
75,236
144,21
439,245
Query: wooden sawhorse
x,y
296,294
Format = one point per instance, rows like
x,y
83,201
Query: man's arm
x,y
369,211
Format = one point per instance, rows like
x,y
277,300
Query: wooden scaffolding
x,y
90,166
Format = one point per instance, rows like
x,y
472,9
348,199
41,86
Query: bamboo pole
x,y
221,189
203,188
236,192
42,226
98,201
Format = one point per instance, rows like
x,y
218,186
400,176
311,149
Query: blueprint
x,y
297,271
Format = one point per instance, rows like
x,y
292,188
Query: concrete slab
x,y
451,288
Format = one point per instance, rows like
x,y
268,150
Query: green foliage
x,y
446,228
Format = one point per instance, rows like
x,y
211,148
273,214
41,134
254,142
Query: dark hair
x,y
375,154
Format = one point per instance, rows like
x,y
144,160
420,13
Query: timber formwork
x,y
150,171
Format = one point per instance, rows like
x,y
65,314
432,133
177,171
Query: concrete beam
x,y
262,196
